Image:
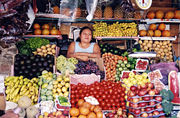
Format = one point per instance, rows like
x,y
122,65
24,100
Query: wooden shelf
x,y
116,38
43,36
158,38
150,21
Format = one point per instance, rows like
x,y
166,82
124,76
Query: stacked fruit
x,y
16,87
57,114
156,32
85,109
124,65
61,86
162,48
115,30
46,83
44,50
116,114
110,95
160,14
145,101
110,62
65,65
32,66
45,30
135,79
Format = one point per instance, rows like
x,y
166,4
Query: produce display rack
x,y
159,38
117,38
43,36
149,21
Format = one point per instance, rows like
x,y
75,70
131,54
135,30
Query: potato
x,y
53,46
162,54
158,55
140,42
145,41
48,45
49,53
154,45
160,43
158,46
40,53
149,45
44,51
168,41
49,49
53,51
169,48
164,43
169,44
43,47
144,44
151,41
156,42
145,47
35,53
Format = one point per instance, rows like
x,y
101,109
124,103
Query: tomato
x,y
82,95
90,93
118,95
117,100
123,89
100,100
118,105
123,107
97,96
100,92
72,91
105,108
115,93
106,93
73,101
95,92
77,95
76,91
122,94
113,97
123,104
122,99
113,104
106,100
80,90
111,101
104,96
108,104
113,108
72,96
108,96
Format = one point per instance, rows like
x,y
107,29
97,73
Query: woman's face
x,y
86,36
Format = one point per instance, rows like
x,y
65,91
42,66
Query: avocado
x,y
39,64
22,62
28,62
45,64
42,59
36,59
28,67
23,67
32,57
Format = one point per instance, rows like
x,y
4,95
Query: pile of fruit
x,y
88,67
105,48
61,86
160,14
57,114
32,66
142,64
17,86
117,29
155,31
46,83
62,102
85,109
116,114
110,95
65,65
45,30
145,101
44,50
110,62
135,79
162,48
124,65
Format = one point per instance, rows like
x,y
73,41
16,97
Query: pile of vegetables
x,y
105,48
64,64
26,47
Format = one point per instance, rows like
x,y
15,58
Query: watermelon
x,y
174,86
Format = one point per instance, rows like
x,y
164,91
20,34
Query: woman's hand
x,y
10,114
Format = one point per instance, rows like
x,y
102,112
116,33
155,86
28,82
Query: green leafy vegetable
x,y
167,94
62,99
167,106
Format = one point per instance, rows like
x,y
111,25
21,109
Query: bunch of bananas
x,y
114,30
16,87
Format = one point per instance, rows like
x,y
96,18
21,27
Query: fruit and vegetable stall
x,y
139,80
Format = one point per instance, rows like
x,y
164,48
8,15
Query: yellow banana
x,y
8,91
26,93
7,97
12,90
36,91
23,87
29,84
15,92
29,95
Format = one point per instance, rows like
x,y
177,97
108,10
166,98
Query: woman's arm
x,y
3,101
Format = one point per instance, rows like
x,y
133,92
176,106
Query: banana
x,y
26,93
8,91
7,97
12,90
31,93
29,84
36,91
15,92
23,87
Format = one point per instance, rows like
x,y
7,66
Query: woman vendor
x,y
84,48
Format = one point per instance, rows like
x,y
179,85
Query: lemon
x,y
67,85
44,85
64,89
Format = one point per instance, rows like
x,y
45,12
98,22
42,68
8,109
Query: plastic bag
x,y
68,9
91,7
165,69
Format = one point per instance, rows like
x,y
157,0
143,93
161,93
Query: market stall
x,y
136,76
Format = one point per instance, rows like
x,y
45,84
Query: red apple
x,y
139,87
155,113
152,103
51,115
150,114
142,104
158,106
158,98
150,85
144,86
142,109
135,100
152,92
142,92
132,93
135,106
148,109
146,98
144,115
156,91
161,112
133,88
137,111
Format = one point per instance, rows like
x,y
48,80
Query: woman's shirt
x,y
88,50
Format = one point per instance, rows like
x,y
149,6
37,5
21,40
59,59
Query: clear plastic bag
x,y
91,7
68,9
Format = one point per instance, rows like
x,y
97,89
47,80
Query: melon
x,y
159,14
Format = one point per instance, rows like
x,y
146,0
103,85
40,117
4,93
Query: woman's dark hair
x,y
83,28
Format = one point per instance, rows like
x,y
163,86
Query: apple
x,y
152,103
146,98
135,106
157,92
144,115
135,100
132,93
130,104
158,106
150,85
142,109
155,113
151,92
158,98
65,112
150,114
142,92
142,104
144,86
137,111
133,88
58,113
148,109
161,112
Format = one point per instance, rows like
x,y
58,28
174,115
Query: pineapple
x,y
118,12
137,15
129,15
98,12
108,12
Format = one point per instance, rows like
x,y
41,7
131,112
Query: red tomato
x,y
113,104
123,107
111,101
123,104
106,93
118,105
113,108
104,96
106,100
77,95
76,91
118,95
108,96
122,99
72,96
122,94
82,95
103,103
115,92
97,96
117,100
113,97
87,94
95,92
100,99
108,105
100,92
72,101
